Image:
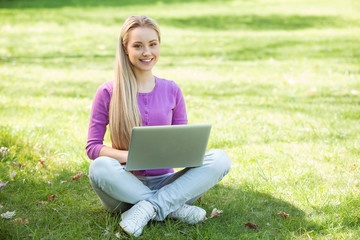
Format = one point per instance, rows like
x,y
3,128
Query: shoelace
x,y
138,215
184,212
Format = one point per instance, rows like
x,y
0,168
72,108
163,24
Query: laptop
x,y
171,146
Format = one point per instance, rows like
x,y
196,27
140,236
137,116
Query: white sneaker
x,y
189,214
135,219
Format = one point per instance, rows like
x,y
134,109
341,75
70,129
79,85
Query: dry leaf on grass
x,y
2,185
21,220
215,212
251,225
62,182
78,175
51,197
42,163
283,214
8,215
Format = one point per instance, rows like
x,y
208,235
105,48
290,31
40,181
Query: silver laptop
x,y
174,146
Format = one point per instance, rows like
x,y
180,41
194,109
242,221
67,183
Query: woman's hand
x,y
120,155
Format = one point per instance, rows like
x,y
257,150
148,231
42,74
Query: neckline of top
x,y
153,90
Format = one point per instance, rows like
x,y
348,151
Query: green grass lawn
x,y
279,81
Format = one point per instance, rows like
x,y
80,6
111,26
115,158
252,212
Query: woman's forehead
x,y
143,34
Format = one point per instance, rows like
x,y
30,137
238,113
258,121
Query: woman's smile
x,y
146,60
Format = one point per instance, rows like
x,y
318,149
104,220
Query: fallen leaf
x,y
21,220
251,225
42,163
117,235
8,215
51,197
215,212
201,198
2,185
43,202
283,214
62,182
78,175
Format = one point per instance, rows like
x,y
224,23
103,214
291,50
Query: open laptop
x,y
172,146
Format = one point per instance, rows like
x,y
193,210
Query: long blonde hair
x,y
124,113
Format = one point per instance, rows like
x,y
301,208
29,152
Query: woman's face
x,y
143,48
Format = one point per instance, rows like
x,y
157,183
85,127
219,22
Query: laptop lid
x,y
171,146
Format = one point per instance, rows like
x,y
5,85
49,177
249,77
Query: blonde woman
x,y
137,98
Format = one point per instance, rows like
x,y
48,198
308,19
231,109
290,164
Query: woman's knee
x,y
219,161
101,167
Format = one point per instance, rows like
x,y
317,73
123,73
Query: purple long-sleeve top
x,y
164,105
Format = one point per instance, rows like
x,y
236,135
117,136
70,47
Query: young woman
x,y
137,98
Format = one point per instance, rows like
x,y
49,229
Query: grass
x,y
279,81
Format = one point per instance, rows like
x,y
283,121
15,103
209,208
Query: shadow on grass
x,y
255,22
240,206
21,4
243,204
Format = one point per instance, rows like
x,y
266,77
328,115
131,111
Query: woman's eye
x,y
153,44
137,46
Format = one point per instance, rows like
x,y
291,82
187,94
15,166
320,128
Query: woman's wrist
x,y
119,155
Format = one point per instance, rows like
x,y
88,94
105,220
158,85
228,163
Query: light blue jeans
x,y
119,189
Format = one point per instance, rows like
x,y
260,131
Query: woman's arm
x,y
99,119
120,155
179,112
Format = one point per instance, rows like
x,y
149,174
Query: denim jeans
x,y
119,189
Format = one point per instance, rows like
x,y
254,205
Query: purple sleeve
x,y
179,111
99,118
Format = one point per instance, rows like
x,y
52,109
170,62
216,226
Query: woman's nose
x,y
146,51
